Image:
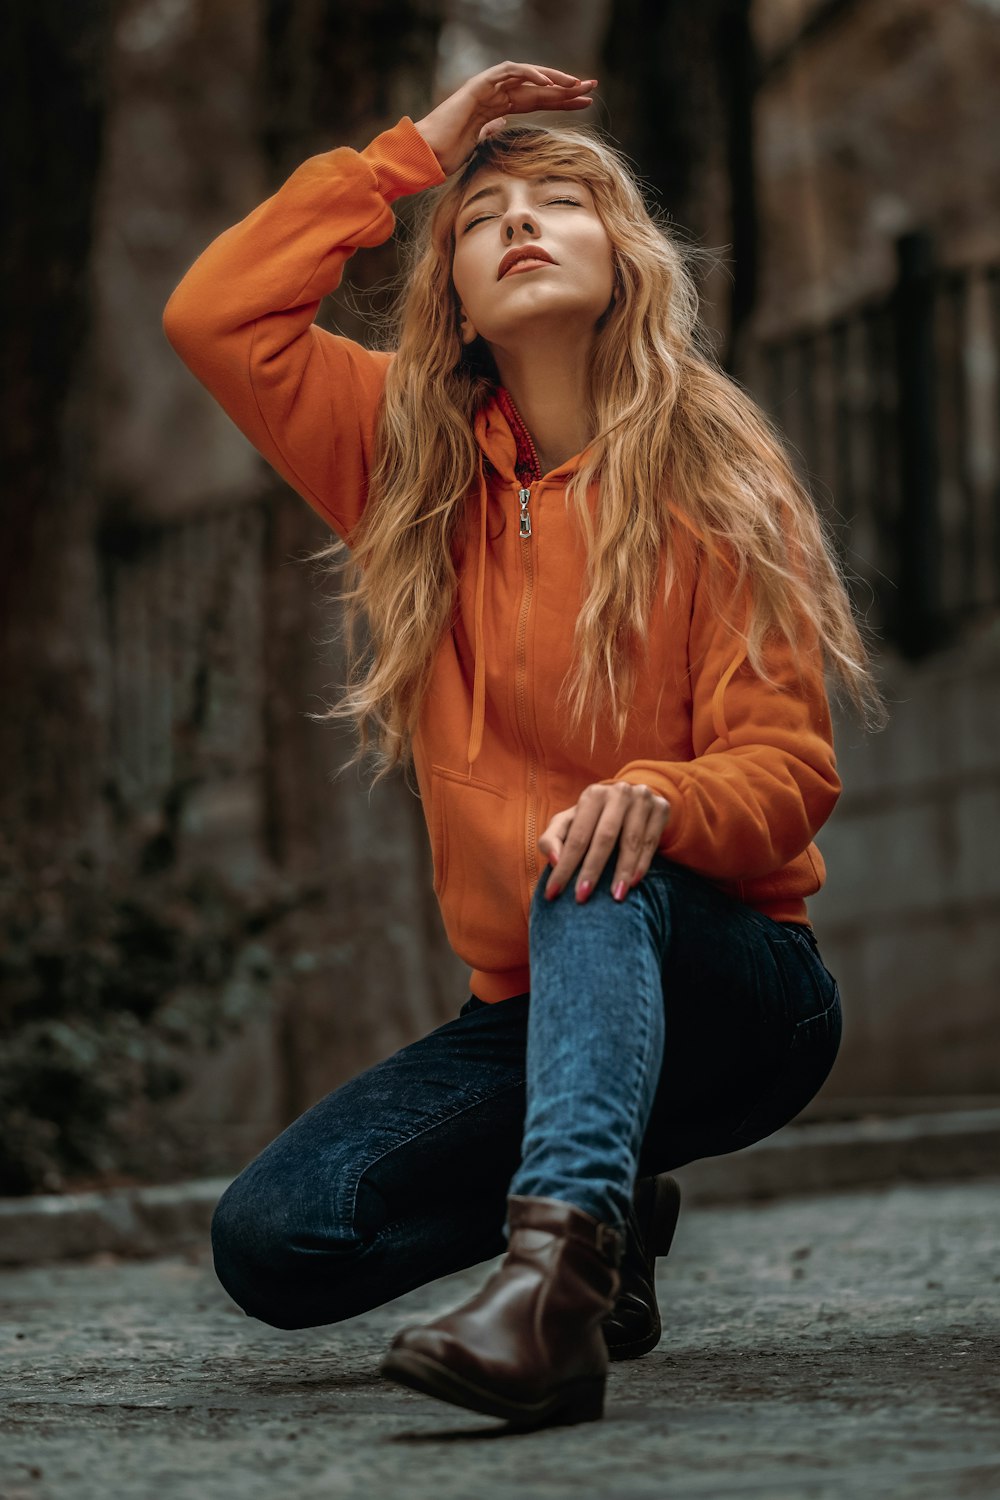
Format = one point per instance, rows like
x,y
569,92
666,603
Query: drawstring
x,y
718,709
718,714
479,681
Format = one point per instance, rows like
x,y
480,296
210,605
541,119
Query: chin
x,y
552,319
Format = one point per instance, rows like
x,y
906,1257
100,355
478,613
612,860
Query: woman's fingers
x,y
492,126
526,99
640,838
533,95
556,76
616,817
525,87
631,816
482,105
534,70
552,840
581,840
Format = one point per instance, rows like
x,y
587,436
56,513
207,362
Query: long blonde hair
x,y
676,439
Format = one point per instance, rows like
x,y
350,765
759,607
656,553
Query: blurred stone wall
x,y
217,623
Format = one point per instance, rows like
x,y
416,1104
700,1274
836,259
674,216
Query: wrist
x,y
431,139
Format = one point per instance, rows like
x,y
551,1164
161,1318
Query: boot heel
x,y
666,1211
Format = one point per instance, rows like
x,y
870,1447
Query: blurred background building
x,y
203,927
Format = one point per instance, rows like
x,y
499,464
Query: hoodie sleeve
x,y
763,779
242,318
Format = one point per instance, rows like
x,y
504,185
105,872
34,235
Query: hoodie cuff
x,y
666,786
402,161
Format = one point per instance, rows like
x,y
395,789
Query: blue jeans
x,y
677,1024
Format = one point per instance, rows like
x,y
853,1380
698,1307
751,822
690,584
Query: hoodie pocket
x,y
475,843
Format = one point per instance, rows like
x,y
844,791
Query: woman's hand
x,y
481,106
604,812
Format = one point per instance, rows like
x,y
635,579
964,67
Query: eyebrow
x,y
490,191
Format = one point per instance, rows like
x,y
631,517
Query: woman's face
x,y
500,213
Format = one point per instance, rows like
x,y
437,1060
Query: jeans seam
x,y
776,1085
642,1058
820,1014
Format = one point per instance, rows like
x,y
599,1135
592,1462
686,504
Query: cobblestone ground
x,y
843,1346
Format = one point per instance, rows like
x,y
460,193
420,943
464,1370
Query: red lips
x,y
523,252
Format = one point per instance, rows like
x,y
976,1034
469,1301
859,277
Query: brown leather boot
x,y
633,1326
528,1347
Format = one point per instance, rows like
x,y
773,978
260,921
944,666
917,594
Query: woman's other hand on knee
x,y
607,815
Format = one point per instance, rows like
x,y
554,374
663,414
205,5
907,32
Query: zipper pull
x,y
524,496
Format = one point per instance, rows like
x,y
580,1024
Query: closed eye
x,y
575,202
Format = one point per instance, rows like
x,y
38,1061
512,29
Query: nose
x,y
516,218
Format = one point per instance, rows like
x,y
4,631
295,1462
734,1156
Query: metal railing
x,y
891,411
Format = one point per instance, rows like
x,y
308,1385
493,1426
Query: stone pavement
x,y
818,1348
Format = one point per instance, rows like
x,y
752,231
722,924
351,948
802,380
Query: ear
x,y
466,330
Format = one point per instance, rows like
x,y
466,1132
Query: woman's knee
x,y
263,1261
585,928
247,1252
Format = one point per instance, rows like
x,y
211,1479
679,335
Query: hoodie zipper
x,y
521,656
521,696
525,498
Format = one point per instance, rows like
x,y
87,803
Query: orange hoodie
x,y
749,772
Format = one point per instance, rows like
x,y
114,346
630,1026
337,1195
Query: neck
x,y
549,389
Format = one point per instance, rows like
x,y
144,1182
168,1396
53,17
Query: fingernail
x,y
583,890
551,891
619,890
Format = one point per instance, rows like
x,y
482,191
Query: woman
x,y
599,605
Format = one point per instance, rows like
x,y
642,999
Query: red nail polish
x,y
583,890
619,890
551,891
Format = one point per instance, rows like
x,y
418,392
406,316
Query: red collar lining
x,y
526,465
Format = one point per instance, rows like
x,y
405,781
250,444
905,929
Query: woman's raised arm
x,y
242,318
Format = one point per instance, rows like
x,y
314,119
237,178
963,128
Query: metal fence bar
x,y
884,409
919,529
992,278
